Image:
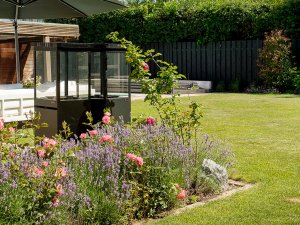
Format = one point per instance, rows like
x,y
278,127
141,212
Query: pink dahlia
x,y
41,153
1,123
106,119
145,66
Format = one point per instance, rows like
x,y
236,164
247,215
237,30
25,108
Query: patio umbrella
x,y
51,9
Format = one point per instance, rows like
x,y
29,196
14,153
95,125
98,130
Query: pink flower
x,y
106,138
145,66
38,172
59,190
61,172
139,161
92,132
83,135
55,201
106,119
41,153
45,164
1,123
107,114
181,194
12,130
49,143
150,121
131,156
52,142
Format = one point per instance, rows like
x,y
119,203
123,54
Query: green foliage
x,y
182,121
203,21
275,61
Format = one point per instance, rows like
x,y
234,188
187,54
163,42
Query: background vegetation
x,y
187,20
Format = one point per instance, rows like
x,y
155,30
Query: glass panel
x,y
95,74
46,71
117,74
74,75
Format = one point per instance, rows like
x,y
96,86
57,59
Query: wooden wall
x,y
8,60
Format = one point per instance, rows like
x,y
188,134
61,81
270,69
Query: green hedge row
x,y
203,22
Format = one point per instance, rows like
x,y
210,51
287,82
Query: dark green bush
x,y
201,21
275,61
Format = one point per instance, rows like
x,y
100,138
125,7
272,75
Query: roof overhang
x,y
26,28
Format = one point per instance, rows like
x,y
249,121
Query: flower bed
x,y
111,174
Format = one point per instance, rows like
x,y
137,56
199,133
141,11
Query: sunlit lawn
x,y
264,133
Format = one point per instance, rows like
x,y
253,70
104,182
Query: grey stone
x,y
219,173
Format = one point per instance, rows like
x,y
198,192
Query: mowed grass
x,y
264,133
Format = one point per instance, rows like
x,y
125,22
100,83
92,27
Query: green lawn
x,y
264,133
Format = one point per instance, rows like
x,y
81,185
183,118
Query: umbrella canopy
x,y
50,9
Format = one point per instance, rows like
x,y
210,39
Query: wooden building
x,y
28,32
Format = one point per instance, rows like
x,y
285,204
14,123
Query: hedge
x,y
203,22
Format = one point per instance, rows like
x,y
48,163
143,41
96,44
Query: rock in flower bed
x,y
112,174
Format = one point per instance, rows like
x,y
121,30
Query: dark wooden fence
x,y
222,61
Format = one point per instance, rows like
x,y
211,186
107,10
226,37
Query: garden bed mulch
x,y
233,187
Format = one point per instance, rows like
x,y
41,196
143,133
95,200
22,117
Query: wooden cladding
x,y
40,29
221,61
8,61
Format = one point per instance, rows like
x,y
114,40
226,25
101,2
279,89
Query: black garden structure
x,y
76,78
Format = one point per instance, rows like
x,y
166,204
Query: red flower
x,y
145,66
181,194
150,121
106,138
139,161
83,135
131,156
92,132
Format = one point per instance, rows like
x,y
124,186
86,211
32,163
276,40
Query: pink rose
x,y
106,119
12,130
41,153
139,161
49,143
1,123
107,114
59,190
150,121
55,202
181,194
131,156
145,66
106,138
93,132
52,142
45,164
38,172
83,135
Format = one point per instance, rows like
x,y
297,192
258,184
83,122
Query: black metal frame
x,y
60,108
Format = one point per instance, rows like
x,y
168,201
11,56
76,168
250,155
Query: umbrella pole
x,y
18,70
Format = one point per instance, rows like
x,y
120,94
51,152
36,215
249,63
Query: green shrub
x,y
275,61
202,21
